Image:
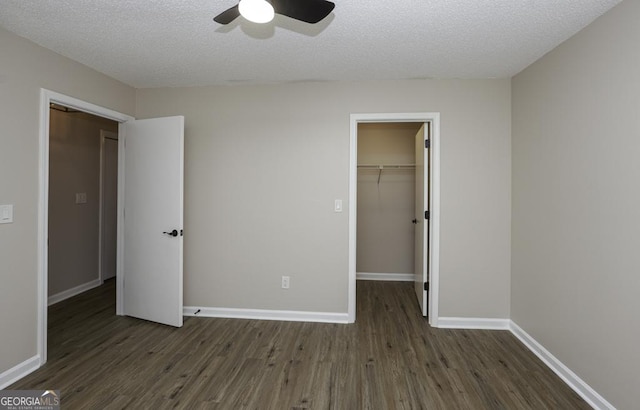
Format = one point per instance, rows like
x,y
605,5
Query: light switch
x,y
81,198
6,214
338,205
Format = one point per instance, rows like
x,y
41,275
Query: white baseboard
x,y
261,314
19,371
576,383
569,377
393,277
473,323
59,297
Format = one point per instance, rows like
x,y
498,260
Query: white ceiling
x,y
156,43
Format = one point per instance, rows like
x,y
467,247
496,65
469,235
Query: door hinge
x,y
426,214
426,286
427,144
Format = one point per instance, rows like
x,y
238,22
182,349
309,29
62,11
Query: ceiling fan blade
x,y
227,16
309,11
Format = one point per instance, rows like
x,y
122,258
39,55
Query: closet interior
x,y
386,201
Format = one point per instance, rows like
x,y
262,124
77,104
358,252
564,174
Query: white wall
x,y
74,167
576,203
264,164
24,69
386,200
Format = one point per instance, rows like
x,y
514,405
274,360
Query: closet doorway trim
x,y
434,250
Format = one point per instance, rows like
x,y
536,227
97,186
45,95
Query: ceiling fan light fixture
x,y
257,11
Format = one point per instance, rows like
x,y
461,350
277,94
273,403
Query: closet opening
x,y
385,248
390,229
394,211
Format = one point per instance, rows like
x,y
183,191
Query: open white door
x,y
421,242
153,219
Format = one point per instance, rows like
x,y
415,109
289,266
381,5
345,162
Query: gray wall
x,y
576,203
24,69
386,200
264,164
74,167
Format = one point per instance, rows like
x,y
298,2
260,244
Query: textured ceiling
x,y
156,43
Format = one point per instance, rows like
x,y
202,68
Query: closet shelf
x,y
387,166
381,167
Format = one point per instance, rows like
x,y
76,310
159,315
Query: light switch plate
x,y
81,198
338,205
6,214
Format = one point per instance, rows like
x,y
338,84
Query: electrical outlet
x,y
285,282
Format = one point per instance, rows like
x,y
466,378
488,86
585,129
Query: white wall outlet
x,y
6,214
337,205
285,282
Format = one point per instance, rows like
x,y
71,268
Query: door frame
x,y
48,97
101,213
434,206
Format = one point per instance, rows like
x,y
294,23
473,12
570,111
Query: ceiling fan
x,y
262,11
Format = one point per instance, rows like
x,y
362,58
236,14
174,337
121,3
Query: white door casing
x,y
433,253
420,222
152,259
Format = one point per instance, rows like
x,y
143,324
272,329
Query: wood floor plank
x,y
389,359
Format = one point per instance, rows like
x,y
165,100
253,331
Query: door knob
x,y
172,233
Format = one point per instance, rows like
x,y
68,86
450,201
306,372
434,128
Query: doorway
x,y
429,260
77,201
47,98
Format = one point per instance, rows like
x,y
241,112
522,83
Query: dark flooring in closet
x,y
389,359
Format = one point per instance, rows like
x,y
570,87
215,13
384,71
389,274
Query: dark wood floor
x,y
389,359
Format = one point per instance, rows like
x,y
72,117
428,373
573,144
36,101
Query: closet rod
x,y
387,166
383,166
